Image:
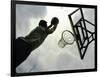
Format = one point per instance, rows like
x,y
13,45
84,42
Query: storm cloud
x,y
24,13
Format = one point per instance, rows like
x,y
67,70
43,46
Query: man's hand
x,y
53,26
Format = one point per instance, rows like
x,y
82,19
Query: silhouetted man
x,y
24,45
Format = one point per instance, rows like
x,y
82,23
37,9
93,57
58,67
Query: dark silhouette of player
x,y
24,45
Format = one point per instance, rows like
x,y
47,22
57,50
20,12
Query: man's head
x,y
43,24
54,21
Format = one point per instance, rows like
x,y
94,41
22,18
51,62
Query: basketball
x,y
54,21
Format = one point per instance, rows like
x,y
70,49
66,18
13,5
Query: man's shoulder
x,y
38,29
35,29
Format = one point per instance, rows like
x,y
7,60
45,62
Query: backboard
x,y
83,29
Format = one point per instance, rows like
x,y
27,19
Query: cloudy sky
x,y
49,56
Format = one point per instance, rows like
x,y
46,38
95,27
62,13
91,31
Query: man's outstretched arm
x,y
53,26
51,29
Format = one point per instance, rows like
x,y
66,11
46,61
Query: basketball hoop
x,y
67,38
